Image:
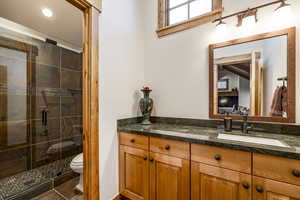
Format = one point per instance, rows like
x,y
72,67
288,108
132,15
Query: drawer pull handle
x,y
246,186
132,140
217,157
167,147
296,173
145,158
259,189
151,159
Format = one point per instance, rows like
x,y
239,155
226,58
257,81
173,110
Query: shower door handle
x,y
44,117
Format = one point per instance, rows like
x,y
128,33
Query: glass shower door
x,y
14,109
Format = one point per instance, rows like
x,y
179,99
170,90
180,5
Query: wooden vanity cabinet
x,y
218,173
275,178
277,168
169,177
161,169
134,173
221,157
212,183
169,169
267,189
158,172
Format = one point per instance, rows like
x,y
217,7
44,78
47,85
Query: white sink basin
x,y
256,140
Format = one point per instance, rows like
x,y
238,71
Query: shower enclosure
x,y
40,114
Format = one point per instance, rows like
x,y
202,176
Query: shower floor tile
x,y
26,181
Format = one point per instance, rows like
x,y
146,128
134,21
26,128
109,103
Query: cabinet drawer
x,y
277,168
133,140
220,157
170,147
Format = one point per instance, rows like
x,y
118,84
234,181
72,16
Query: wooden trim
x,y
162,14
291,34
91,133
84,4
165,29
203,19
231,60
97,4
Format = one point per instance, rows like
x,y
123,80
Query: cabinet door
x,y
169,177
214,183
266,189
134,173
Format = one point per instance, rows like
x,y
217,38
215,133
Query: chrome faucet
x,y
245,126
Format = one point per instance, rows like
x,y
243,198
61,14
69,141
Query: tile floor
x,y
64,191
24,181
51,195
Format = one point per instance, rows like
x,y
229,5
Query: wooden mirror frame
x,y
291,71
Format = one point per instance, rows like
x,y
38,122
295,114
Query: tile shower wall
x,y
52,85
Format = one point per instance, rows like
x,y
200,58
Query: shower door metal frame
x,y
91,10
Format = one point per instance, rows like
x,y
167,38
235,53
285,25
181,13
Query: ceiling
x,y
65,25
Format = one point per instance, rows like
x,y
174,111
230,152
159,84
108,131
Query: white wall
x,y
121,77
274,66
244,95
177,65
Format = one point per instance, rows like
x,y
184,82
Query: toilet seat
x,y
77,161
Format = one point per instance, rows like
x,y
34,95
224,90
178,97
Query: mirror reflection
x,y
251,78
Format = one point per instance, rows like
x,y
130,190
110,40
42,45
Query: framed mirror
x,y
254,76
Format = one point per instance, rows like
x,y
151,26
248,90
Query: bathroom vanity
x,y
252,76
168,161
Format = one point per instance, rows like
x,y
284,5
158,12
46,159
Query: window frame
x,y
163,17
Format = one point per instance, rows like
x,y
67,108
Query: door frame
x,y
91,11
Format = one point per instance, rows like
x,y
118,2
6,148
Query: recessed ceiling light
x,y
47,12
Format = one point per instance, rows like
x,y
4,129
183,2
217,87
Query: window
x,y
181,10
177,15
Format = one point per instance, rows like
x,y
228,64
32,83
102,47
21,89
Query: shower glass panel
x,y
40,114
13,111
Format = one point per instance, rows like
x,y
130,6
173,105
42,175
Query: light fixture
x,y
250,20
221,26
47,12
249,16
221,23
283,12
283,5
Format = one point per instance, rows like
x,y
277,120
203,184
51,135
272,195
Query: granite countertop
x,y
290,145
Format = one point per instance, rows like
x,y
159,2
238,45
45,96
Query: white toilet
x,y
77,166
